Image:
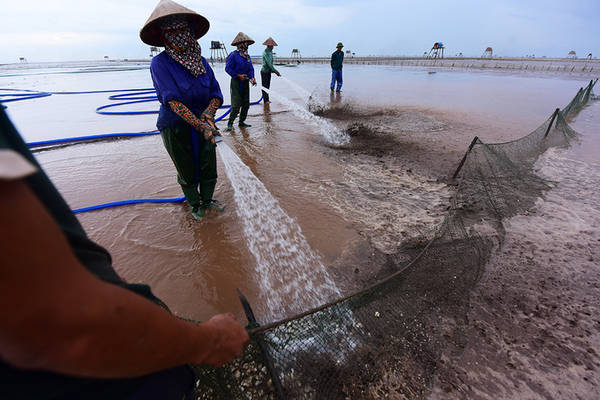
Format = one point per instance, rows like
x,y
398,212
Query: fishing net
x,y
385,341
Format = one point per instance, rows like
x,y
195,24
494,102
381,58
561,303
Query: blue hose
x,y
91,137
31,94
119,134
134,96
107,91
128,202
137,97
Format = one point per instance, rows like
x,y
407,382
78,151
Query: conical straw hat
x,y
270,42
151,33
240,38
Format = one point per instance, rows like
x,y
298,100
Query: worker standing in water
x,y
239,67
337,59
267,67
189,95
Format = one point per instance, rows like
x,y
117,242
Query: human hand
x,y
253,82
242,77
208,117
208,132
230,338
278,73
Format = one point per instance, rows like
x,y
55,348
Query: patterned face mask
x,y
242,48
181,45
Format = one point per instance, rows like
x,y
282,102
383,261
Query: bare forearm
x,y
117,334
59,317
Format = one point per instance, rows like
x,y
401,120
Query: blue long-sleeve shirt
x,y
173,82
237,65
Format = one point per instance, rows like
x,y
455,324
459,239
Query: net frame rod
x,y
554,114
253,325
462,162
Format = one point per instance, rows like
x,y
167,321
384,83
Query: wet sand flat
x,y
532,330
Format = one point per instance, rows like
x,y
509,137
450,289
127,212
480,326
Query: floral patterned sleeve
x,y
202,124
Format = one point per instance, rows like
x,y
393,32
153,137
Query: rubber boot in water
x,y
244,125
229,128
198,212
214,205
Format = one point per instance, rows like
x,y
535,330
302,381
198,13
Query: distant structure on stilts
x,y
437,51
296,56
488,53
572,54
22,59
218,51
154,51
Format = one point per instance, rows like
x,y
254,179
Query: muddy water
x,y
533,317
369,195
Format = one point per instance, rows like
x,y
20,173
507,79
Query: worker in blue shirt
x,y
337,59
189,95
239,67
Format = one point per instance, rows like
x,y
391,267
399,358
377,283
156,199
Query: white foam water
x,y
291,276
329,131
305,94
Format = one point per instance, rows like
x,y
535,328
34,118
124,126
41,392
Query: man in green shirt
x,y
337,59
267,67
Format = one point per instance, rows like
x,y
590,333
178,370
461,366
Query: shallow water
x,y
337,201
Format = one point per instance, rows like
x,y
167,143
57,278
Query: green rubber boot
x,y
213,205
244,125
198,213
229,128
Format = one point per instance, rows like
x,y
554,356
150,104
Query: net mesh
x,y
385,341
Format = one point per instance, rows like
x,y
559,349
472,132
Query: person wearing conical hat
x,y
239,67
267,67
337,59
189,95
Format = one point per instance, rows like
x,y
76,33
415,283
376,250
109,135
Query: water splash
x,y
313,102
329,131
291,276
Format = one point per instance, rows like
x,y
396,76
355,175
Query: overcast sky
x,y
61,30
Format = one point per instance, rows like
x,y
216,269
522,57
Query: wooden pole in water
x,y
554,114
475,139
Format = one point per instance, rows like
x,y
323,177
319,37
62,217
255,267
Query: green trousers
x,y
195,160
240,98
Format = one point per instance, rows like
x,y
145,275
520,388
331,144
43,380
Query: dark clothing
x,y
240,90
240,99
195,159
266,82
21,384
237,65
337,59
173,82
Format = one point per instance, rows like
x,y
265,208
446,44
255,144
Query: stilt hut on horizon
x,y
437,50
218,51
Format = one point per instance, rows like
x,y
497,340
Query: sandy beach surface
x,y
529,328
